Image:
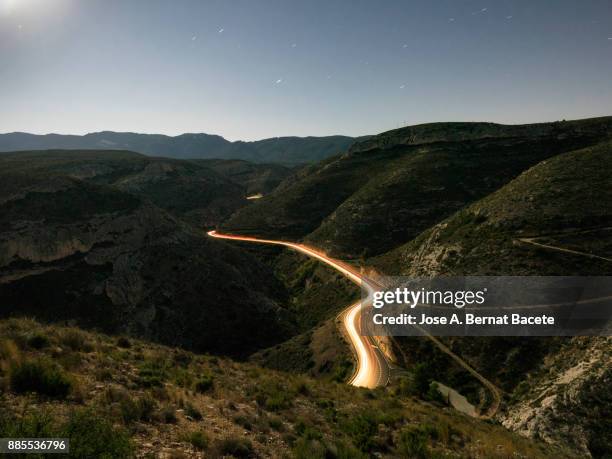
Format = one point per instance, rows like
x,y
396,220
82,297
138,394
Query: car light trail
x,y
372,367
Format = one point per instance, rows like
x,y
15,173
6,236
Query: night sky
x,y
253,69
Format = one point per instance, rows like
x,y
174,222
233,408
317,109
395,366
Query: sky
x,y
252,69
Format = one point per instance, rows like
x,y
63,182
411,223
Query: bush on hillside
x,y
40,376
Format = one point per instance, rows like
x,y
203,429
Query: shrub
x,y
340,450
309,449
302,388
75,339
198,439
434,395
151,374
342,371
9,351
182,377
421,380
244,422
39,376
140,409
235,446
70,360
9,356
89,434
276,423
168,415
38,341
124,342
32,425
113,394
277,402
93,436
182,359
361,428
273,396
103,374
193,412
412,443
389,416
204,384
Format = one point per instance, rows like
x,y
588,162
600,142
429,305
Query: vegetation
x,y
198,439
251,411
405,181
65,216
444,198
235,447
41,376
563,202
413,443
204,384
90,434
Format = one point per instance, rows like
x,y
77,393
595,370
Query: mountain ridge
x,y
287,150
405,183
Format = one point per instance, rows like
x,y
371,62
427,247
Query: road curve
x,y
373,368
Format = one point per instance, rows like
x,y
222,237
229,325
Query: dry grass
x,y
155,393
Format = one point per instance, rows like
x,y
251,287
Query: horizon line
x,y
399,126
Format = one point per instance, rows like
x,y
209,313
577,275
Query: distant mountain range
x,y
285,150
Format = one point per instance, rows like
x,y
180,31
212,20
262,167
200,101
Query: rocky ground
x,y
123,397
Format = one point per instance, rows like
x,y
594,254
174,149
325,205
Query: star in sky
x,y
221,30
279,81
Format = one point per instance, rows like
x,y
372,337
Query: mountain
x,y
120,397
388,189
468,199
285,150
120,234
255,178
203,192
563,203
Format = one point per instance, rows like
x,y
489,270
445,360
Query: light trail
x,y
372,368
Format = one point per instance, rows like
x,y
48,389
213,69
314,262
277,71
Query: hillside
x,y
558,387
255,178
119,396
201,192
125,264
465,198
565,197
391,187
121,233
283,150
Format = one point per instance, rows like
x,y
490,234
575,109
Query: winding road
x,y
373,368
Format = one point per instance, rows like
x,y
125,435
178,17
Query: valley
x,y
122,236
